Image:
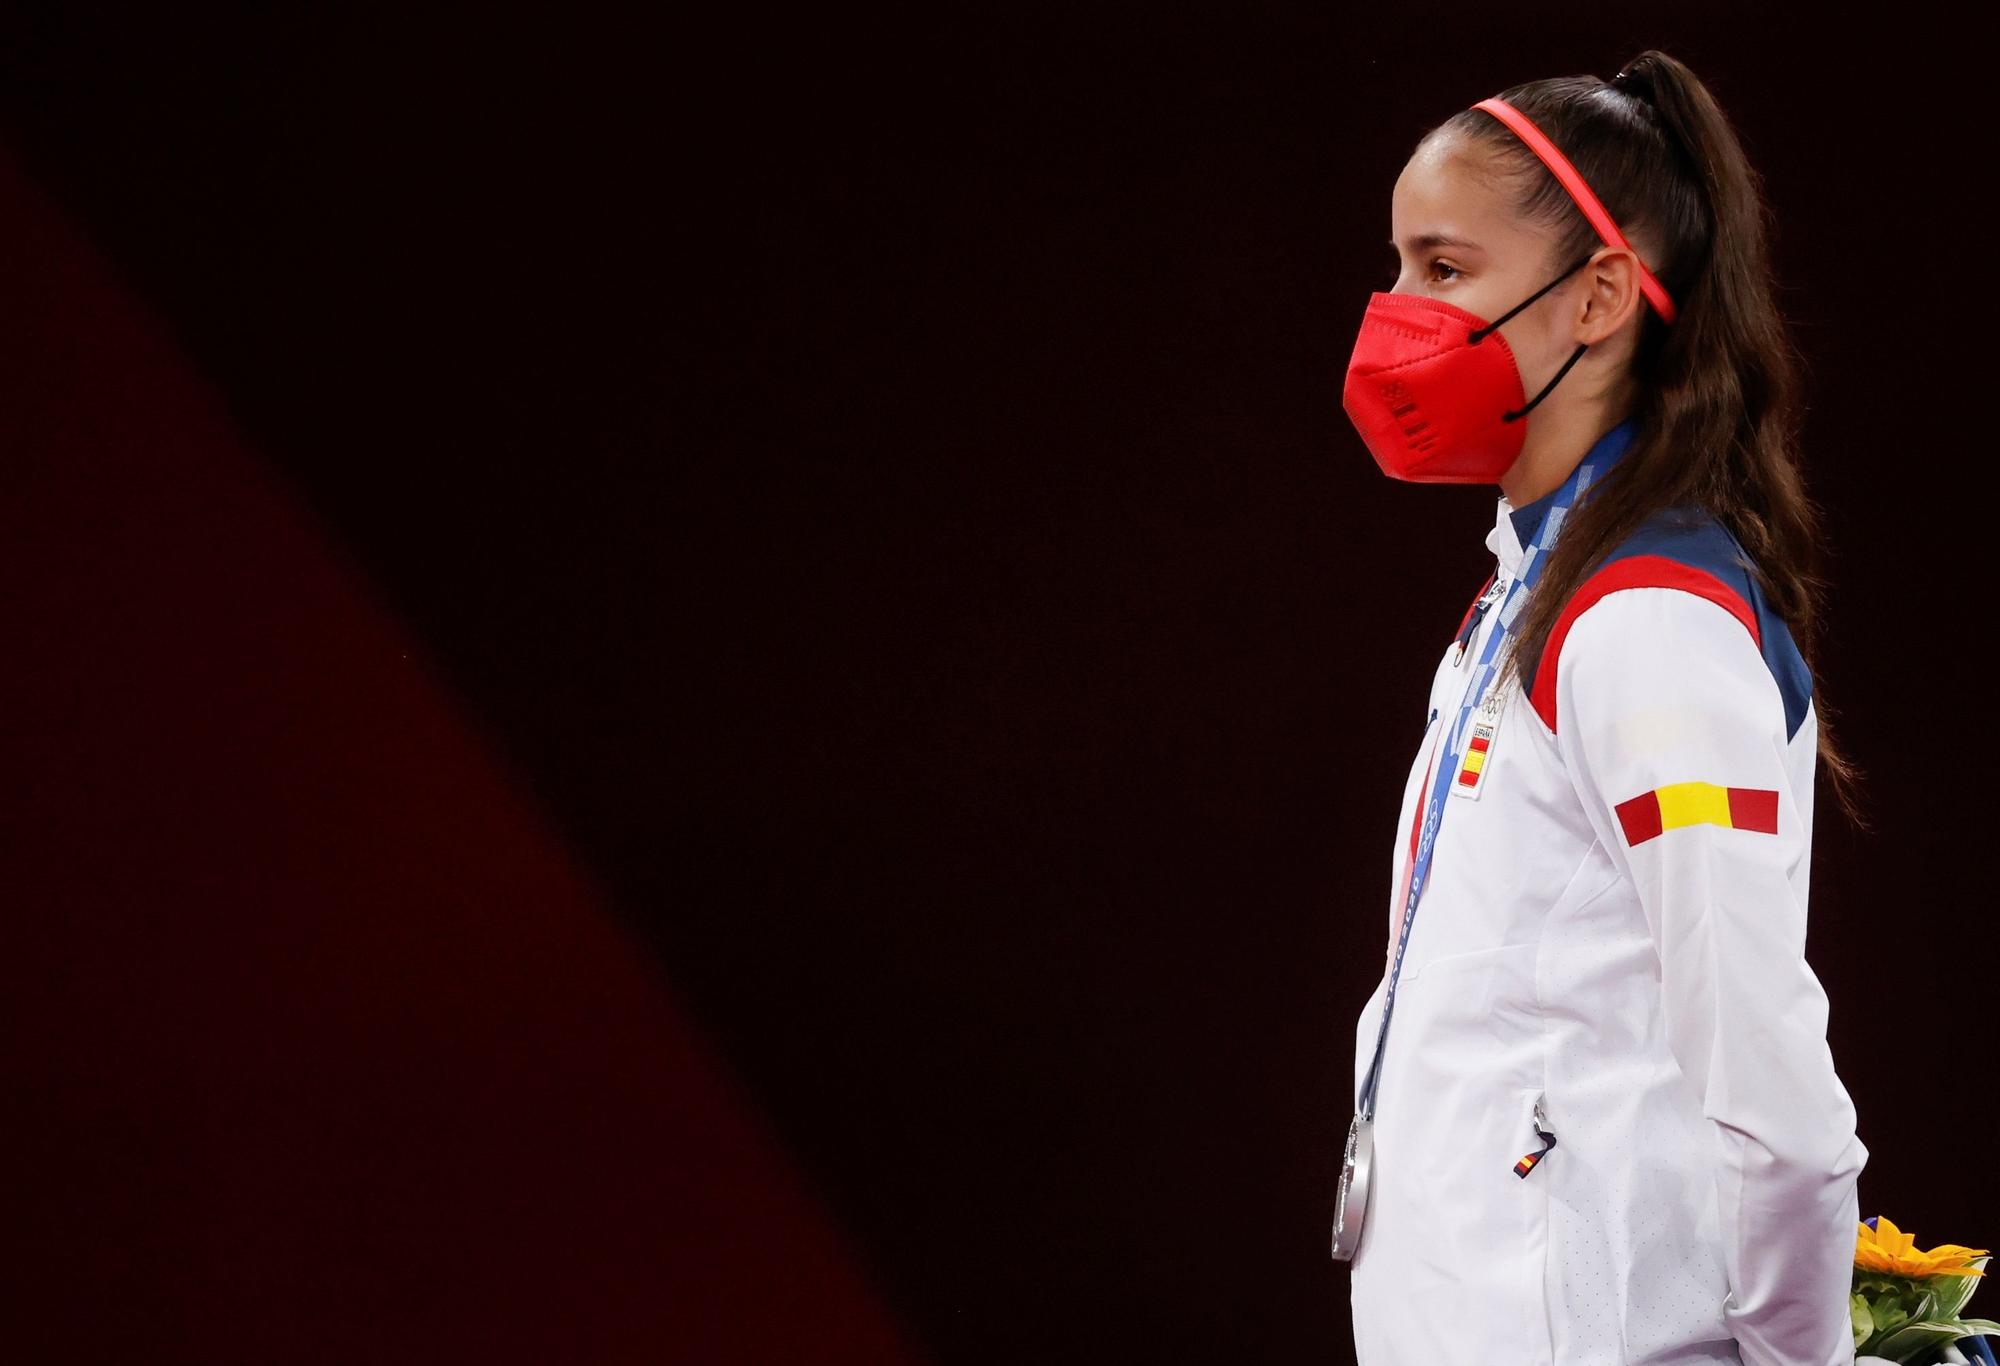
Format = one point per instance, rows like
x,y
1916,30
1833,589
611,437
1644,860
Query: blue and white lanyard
x,y
1531,567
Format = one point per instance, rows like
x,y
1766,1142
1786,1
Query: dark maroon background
x,y
728,689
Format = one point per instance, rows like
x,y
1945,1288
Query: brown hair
x,y
1720,390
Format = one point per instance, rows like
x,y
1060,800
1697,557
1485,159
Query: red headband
x,y
1552,157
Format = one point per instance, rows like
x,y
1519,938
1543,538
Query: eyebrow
x,y
1425,241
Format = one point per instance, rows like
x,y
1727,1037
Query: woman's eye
x,y
1433,269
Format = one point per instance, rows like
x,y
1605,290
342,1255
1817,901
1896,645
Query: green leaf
x,y
1952,1293
1889,1312
1919,1335
1971,1283
1876,1282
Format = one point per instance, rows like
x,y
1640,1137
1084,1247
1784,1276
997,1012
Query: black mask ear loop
x,y
1480,335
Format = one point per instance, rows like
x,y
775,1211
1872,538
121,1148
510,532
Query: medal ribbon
x,y
1418,874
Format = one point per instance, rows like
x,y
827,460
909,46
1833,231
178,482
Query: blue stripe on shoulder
x,y
1694,537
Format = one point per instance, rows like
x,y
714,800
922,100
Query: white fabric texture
x,y
1653,992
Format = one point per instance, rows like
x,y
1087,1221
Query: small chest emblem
x,y
1484,725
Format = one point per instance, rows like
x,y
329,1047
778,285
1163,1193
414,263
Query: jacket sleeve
x,y
1674,732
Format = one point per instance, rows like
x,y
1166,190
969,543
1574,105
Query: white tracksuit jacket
x,y
1616,926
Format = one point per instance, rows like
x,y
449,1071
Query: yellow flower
x,y
1887,1248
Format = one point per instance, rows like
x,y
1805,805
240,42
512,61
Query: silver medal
x,y
1353,1202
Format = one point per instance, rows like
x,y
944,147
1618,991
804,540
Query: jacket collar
x,y
1515,528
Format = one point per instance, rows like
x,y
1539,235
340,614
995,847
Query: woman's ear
x,y
1611,295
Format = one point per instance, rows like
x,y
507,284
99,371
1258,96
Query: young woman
x,y
1605,1126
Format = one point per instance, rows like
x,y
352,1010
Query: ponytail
x,y
1721,390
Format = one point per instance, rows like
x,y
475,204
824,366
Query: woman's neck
x,y
1555,445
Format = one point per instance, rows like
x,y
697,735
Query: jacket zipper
x,y
1494,592
1416,816
1527,1163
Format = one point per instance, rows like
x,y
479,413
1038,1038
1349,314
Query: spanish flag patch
x,y
1678,804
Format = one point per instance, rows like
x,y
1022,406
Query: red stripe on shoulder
x,y
1634,571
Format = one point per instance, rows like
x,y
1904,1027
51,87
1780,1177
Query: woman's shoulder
x,y
1682,554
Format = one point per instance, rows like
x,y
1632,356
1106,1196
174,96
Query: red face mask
x,y
1435,392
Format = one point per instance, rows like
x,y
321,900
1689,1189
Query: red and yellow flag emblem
x,y
1678,804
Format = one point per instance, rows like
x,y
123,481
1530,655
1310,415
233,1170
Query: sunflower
x,y
1887,1248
